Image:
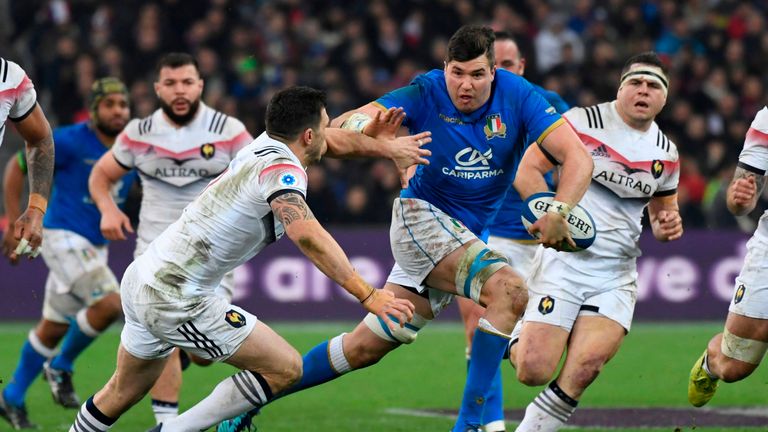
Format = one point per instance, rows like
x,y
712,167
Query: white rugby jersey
x,y
175,164
17,94
631,167
230,222
754,158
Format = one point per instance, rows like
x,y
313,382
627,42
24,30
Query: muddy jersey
x,y
630,168
230,222
17,94
176,163
754,158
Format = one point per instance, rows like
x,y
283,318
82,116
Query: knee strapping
x,y
38,346
336,356
406,334
475,267
747,350
85,326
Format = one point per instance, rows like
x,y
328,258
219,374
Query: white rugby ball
x,y
580,222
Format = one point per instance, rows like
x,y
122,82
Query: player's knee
x,y
293,370
532,371
508,292
589,368
741,356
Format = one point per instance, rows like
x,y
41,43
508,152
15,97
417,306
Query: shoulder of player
x,y
666,145
11,74
139,127
589,117
760,123
218,123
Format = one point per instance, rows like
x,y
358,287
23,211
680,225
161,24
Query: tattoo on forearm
x,y
291,207
741,173
40,157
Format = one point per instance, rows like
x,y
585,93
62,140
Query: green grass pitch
x,y
650,370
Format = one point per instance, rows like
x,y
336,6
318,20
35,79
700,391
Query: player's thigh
x,y
538,350
266,352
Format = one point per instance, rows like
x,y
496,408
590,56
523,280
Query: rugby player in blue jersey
x,y
479,118
81,298
507,233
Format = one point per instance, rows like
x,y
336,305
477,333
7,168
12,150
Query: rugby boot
x,y
61,386
701,387
241,423
157,428
16,416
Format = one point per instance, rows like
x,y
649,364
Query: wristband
x,y
356,122
355,284
559,207
37,201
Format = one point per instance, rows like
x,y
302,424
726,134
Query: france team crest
x,y
234,318
546,305
739,294
494,127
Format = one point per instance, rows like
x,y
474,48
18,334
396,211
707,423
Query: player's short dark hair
x,y
291,111
176,60
470,42
648,57
503,35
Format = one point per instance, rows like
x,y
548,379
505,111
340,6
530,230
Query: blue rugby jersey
x,y
507,221
71,207
474,156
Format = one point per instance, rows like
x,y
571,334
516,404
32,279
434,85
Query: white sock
x,y
235,395
90,419
165,411
705,366
549,411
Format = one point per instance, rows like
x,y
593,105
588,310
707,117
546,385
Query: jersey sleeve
x,y
410,98
280,177
754,155
539,117
669,181
560,105
122,151
24,95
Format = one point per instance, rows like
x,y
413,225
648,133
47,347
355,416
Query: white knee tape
x,y
746,350
338,360
406,334
85,326
475,267
38,346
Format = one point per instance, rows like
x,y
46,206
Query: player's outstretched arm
x,y
318,245
13,187
664,214
743,191
103,177
529,178
28,228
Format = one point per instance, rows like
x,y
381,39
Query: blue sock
x,y
75,342
487,350
317,369
29,367
494,400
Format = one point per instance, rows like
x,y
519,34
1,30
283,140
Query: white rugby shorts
x,y
520,254
79,275
155,322
750,292
421,235
438,300
557,294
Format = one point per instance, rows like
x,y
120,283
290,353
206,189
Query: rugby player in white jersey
x,y
736,352
177,150
585,300
18,103
168,292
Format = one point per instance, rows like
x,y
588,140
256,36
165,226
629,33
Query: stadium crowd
x,y
247,50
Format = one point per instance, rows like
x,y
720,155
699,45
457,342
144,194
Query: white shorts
x,y
557,295
155,322
421,235
79,275
520,253
438,300
750,298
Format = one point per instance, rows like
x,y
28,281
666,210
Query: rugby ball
x,y
580,222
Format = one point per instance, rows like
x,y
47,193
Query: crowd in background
x,y
717,52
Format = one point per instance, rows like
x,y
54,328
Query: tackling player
x,y
169,291
177,150
18,103
585,300
81,298
507,234
736,352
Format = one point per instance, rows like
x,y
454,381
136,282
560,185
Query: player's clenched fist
x,y
383,303
743,190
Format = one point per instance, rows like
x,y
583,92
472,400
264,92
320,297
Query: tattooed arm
x,y
744,189
40,156
318,245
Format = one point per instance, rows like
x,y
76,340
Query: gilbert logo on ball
x,y
580,222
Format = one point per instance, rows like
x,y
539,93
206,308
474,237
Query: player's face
x,y
319,146
508,56
640,99
179,90
469,83
112,114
